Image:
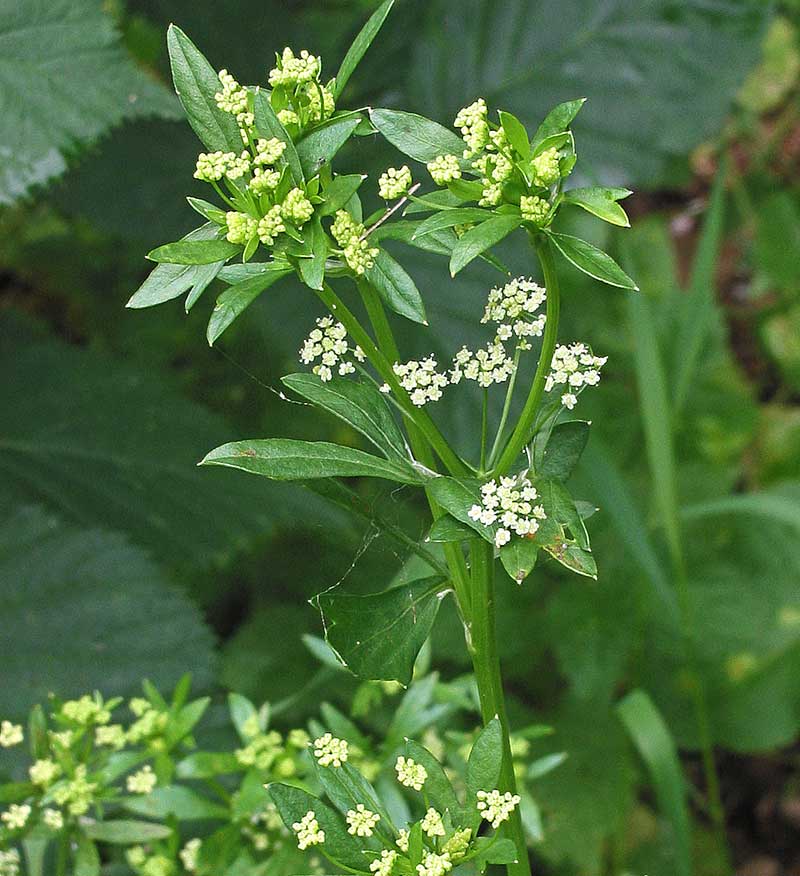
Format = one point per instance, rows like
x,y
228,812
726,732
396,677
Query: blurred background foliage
x,y
119,559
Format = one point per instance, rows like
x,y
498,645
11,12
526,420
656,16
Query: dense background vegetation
x,y
119,559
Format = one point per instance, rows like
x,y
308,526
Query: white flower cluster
x,y
410,773
435,865
487,366
308,831
330,751
361,821
190,853
10,734
513,307
534,209
212,166
474,125
44,772
546,171
78,794
572,368
432,824
233,99
421,380
394,183
444,169
328,342
495,807
9,863
53,819
349,234
509,503
384,865
16,816
143,781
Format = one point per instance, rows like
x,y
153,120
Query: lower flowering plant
x,y
281,211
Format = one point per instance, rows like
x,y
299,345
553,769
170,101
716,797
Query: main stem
x,y
486,663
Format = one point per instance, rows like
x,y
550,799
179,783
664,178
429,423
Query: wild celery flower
x,y
328,342
9,862
410,773
10,734
421,380
308,831
573,367
394,183
444,169
511,504
53,819
432,824
384,865
44,772
435,865
361,821
495,807
330,751
143,781
16,816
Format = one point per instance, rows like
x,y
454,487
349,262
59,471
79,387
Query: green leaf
x,y
269,126
396,288
655,744
339,845
566,443
237,298
67,79
170,281
519,557
416,136
451,218
379,635
591,260
437,786
312,270
207,765
320,145
288,460
477,240
124,455
345,787
242,712
339,192
86,858
360,45
207,210
196,83
515,133
457,496
601,202
183,803
100,604
446,529
122,832
360,405
194,252
494,851
483,768
557,120
772,507
563,534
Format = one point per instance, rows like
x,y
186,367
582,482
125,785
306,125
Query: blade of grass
x,y
656,746
699,302
777,508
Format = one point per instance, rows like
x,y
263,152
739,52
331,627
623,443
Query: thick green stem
x,y
521,434
486,663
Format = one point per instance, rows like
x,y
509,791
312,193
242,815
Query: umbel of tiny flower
x,y
410,773
16,816
10,734
573,367
394,183
349,234
511,504
527,181
308,831
330,751
143,781
360,821
383,866
10,862
495,807
421,380
432,824
44,772
435,865
189,854
328,343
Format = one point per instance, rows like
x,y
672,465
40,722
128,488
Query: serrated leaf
x,y
360,45
379,635
360,405
483,768
451,218
286,459
601,202
196,83
477,240
447,529
591,260
563,450
396,288
124,455
96,601
320,145
339,846
415,136
168,281
194,252
557,120
67,79
232,303
177,800
125,832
